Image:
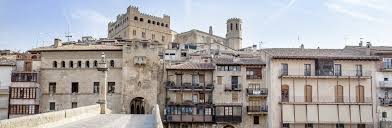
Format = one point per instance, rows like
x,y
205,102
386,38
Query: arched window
x,y
162,24
167,25
87,64
70,64
34,57
308,93
153,22
231,26
95,63
339,94
79,64
141,19
360,94
158,23
285,93
135,18
236,26
149,21
111,63
63,64
54,64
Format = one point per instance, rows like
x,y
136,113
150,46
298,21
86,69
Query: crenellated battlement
x,y
234,19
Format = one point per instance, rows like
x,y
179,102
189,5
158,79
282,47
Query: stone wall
x,y
42,120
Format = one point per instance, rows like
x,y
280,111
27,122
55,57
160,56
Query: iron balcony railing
x,y
233,87
24,77
228,118
352,73
172,85
257,91
260,108
325,99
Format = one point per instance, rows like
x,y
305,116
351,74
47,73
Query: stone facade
x,y
136,25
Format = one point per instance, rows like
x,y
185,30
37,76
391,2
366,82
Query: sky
x,y
25,24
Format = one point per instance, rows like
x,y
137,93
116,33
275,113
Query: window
x,y
153,36
231,26
79,64
339,94
149,21
285,93
338,69
235,83
135,18
111,63
87,64
158,23
220,78
236,26
143,35
387,63
339,125
134,32
386,79
361,126
63,64
166,25
358,70
234,97
52,105
253,73
256,120
70,64
95,63
111,87
229,68
96,87
75,87
285,70
285,125
141,19
74,104
308,93
153,22
308,125
307,71
163,38
54,64
52,87
360,94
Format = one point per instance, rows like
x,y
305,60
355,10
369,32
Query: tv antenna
x,y
67,35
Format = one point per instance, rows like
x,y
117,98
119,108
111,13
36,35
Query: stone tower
x,y
234,33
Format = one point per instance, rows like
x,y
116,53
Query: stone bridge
x,y
85,117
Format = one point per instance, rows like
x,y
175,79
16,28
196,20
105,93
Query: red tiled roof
x,y
192,66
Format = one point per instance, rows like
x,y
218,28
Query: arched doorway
x,y
137,106
228,126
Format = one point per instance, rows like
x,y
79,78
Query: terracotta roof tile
x,y
298,53
192,66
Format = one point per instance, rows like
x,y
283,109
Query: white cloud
x,y
280,12
353,13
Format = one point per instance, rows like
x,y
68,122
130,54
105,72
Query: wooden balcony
x,y
189,118
228,118
190,87
24,77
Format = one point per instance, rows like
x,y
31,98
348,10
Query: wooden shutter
x,y
308,93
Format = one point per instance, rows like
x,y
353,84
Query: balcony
x,y
325,100
228,118
257,92
233,87
189,87
385,101
24,77
262,109
385,84
228,113
327,74
186,113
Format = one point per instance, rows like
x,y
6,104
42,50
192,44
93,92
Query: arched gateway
x,y
137,106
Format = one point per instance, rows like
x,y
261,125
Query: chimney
x,y
210,31
368,44
302,46
57,43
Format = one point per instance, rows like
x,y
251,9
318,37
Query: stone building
x,y
6,68
69,75
136,25
321,88
204,40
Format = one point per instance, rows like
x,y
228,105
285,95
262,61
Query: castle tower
x,y
234,33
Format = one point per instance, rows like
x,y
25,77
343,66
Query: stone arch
x,y
137,106
228,126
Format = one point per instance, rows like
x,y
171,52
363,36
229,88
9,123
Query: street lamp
x,y
102,66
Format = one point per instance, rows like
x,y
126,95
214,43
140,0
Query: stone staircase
x,y
113,121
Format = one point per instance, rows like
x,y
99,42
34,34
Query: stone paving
x,y
113,121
